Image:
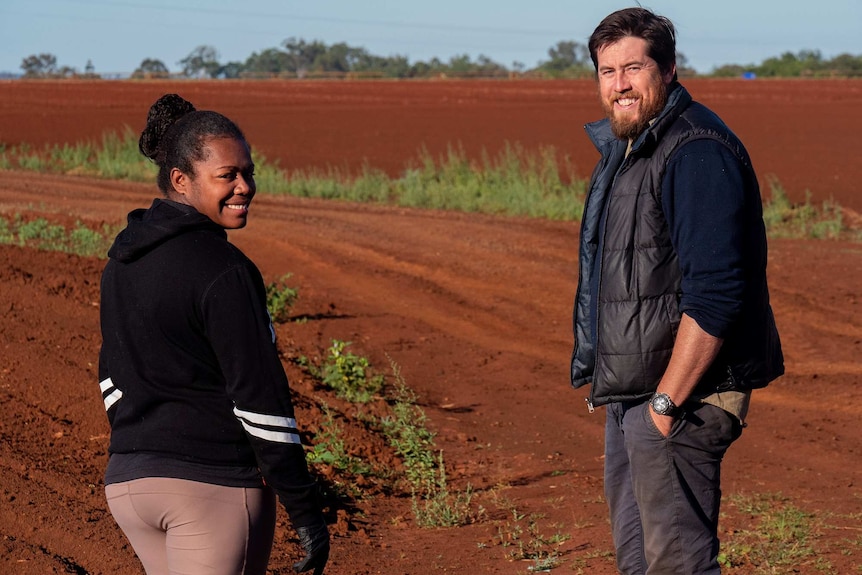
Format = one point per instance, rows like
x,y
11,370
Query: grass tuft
x,y
40,234
780,539
434,504
516,182
784,219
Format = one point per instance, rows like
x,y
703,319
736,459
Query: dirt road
x,y
476,310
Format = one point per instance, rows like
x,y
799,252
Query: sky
x,y
117,35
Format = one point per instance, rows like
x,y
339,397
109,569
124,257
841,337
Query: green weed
x,y
84,241
516,181
440,507
784,219
369,185
32,162
349,374
119,158
116,157
5,161
7,236
329,448
280,299
39,233
67,157
434,504
523,539
580,563
406,432
780,538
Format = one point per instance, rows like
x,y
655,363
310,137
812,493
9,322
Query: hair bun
x,y
162,115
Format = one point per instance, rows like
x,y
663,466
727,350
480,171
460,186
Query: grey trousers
x,y
180,527
664,492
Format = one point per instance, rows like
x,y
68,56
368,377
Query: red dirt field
x,y
476,311
802,132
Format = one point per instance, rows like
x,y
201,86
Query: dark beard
x,y
626,129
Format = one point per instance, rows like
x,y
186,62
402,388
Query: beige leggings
x,y
181,527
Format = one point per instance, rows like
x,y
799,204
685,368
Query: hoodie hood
x,y
149,228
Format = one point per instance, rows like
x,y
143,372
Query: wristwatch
x,y
662,404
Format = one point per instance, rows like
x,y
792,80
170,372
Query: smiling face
x,y
222,185
632,88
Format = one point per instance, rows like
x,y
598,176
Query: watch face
x,y
661,404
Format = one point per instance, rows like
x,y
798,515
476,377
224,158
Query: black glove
x,y
315,542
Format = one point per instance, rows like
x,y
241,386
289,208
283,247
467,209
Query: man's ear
x,y
668,77
179,181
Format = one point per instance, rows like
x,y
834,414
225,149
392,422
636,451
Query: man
x,y
673,325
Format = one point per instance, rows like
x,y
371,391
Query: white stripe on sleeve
x,y
263,419
277,428
270,435
114,395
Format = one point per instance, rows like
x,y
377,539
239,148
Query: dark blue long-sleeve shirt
x,y
703,198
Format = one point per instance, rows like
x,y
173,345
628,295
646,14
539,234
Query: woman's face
x,y
222,186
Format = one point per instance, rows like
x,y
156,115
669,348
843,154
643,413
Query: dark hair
x,y
175,136
658,32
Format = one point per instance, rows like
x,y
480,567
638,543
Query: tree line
x,y
297,58
805,63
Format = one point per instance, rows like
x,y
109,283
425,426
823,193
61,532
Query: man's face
x,y
632,89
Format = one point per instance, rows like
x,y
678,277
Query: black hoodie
x,y
189,370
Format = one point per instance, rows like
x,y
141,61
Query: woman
x,y
203,435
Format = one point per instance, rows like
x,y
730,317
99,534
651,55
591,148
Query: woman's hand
x,y
315,541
